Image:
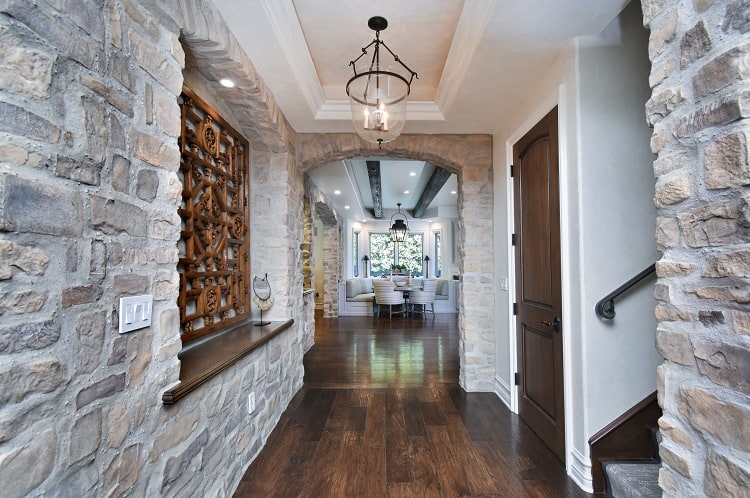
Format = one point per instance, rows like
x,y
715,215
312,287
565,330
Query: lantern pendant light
x,y
400,227
378,93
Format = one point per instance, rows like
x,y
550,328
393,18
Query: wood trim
x,y
203,361
628,437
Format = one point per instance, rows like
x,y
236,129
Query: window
x,y
381,254
355,253
214,264
384,253
410,253
438,252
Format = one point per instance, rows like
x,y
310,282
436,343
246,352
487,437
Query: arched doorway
x,y
470,157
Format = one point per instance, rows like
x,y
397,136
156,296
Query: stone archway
x,y
470,157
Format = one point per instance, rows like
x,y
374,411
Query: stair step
x,y
633,479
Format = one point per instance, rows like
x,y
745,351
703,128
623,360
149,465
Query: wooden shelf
x,y
204,360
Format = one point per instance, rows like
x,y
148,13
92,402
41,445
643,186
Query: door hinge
x,y
512,171
517,378
515,308
513,239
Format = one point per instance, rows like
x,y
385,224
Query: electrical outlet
x,y
251,403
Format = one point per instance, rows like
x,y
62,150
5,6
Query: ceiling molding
x,y
471,25
288,31
415,111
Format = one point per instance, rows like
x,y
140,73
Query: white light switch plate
x,y
135,312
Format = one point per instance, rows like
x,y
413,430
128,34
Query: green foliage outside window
x,y
382,254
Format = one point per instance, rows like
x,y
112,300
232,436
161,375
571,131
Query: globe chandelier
x,y
378,93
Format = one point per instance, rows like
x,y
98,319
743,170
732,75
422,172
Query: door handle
x,y
555,324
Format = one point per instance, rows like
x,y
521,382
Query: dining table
x,y
406,288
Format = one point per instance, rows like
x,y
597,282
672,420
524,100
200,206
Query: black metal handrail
x,y
605,308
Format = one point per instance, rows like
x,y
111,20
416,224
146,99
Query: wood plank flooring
x,y
381,414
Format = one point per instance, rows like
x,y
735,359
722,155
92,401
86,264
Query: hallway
x,y
381,414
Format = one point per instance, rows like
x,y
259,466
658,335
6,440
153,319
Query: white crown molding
x,y
471,25
415,111
288,31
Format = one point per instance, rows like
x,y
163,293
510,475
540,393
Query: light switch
x,y
135,312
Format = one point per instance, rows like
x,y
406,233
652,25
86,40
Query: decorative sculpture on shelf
x,y
262,298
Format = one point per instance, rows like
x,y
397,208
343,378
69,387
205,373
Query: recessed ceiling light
x,y
346,207
453,192
337,192
226,82
413,173
406,192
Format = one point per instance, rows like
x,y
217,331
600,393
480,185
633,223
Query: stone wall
x,y
88,213
470,157
700,53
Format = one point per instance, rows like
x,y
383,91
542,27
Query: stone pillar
x,y
700,107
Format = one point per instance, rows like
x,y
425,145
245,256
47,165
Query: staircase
x,y
634,478
625,454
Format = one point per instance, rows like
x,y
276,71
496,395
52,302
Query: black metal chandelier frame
x,y
400,227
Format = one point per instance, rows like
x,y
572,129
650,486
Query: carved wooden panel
x,y
214,242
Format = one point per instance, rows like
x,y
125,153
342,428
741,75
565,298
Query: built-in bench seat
x,y
356,297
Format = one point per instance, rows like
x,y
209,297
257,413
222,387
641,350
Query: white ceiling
x,y
474,58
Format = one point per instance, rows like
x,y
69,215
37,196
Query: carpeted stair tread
x,y
633,479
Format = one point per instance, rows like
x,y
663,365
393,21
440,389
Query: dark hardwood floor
x,y
381,414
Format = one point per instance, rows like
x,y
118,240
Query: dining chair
x,y
424,297
385,295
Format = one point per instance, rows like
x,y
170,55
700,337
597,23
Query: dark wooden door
x,y
538,289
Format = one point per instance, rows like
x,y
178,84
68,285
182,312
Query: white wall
x,y
606,183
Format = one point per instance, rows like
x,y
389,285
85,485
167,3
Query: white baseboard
x,y
502,389
580,470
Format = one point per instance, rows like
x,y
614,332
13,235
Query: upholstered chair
x,y
424,297
385,295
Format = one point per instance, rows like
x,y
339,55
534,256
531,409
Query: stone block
x,y
666,269
115,26
80,294
123,471
27,66
730,67
709,318
712,224
651,10
80,171
95,125
19,380
29,335
724,111
694,44
177,465
120,70
98,262
703,5
119,350
727,476
19,303
724,363
661,71
118,424
659,139
662,33
726,161
167,113
673,189
671,430
114,96
19,122
91,333
140,358
728,264
681,463
31,206
741,322
662,104
728,421
147,185
667,233
80,483
174,433
665,313
148,107
85,436
733,294
737,17
674,346
28,259
120,174
87,15
155,151
25,467
101,389
130,284
113,216
156,61
661,292
117,132
667,163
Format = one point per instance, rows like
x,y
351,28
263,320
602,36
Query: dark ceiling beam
x,y
373,173
437,180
